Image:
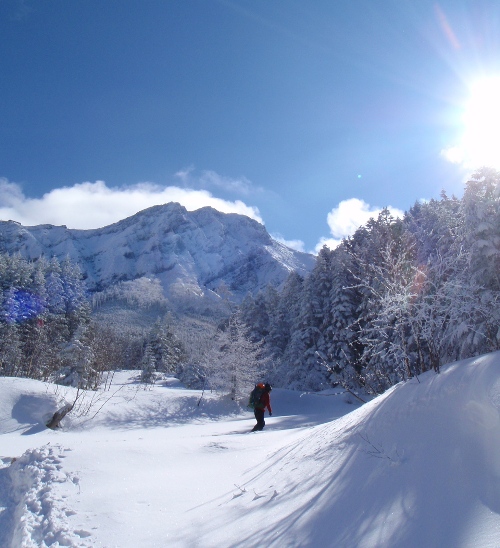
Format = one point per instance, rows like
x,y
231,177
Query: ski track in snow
x,y
32,515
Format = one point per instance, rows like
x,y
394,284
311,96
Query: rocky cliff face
x,y
201,254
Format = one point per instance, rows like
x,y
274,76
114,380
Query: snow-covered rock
x,y
203,253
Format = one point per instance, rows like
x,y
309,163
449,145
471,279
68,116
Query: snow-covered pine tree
x,y
282,317
10,350
303,370
168,351
76,302
341,352
254,312
78,358
148,373
481,237
34,318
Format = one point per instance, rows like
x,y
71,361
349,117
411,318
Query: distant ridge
x,y
197,254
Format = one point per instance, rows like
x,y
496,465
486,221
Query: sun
x,y
481,122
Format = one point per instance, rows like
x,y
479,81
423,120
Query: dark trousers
x,y
259,417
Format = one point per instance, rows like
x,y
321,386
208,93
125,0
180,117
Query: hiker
x,y
259,400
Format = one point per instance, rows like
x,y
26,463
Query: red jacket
x,y
266,400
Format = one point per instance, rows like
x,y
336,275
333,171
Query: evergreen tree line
x,y
46,330
398,298
43,309
47,333
162,352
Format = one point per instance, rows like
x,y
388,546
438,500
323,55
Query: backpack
x,y
255,396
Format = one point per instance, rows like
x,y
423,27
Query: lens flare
x,y
20,306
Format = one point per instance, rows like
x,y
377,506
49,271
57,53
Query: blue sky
x,y
305,115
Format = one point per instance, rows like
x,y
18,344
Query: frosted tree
x,y
303,371
22,304
76,302
440,258
36,315
234,362
458,308
54,288
10,350
15,272
434,227
148,373
167,349
367,250
389,340
255,313
481,237
341,352
481,228
78,361
284,315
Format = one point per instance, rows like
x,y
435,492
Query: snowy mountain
x,y
418,466
203,253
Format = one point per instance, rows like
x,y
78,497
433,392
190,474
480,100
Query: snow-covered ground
x,y
416,467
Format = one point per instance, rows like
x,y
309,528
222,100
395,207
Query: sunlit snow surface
x,y
417,467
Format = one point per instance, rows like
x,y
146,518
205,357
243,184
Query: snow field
x,y
417,466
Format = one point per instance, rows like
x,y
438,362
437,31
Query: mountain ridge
x,y
193,254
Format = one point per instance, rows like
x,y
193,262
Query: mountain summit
x,y
194,254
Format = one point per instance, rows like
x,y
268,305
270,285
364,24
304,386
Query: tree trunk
x,y
59,416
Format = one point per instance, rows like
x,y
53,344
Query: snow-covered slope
x,y
418,466
192,253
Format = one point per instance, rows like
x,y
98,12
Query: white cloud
x,y
11,193
298,245
209,179
185,174
94,205
347,217
331,243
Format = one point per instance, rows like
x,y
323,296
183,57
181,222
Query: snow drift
x,y
417,466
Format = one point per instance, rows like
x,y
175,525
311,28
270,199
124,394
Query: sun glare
x,y
481,140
